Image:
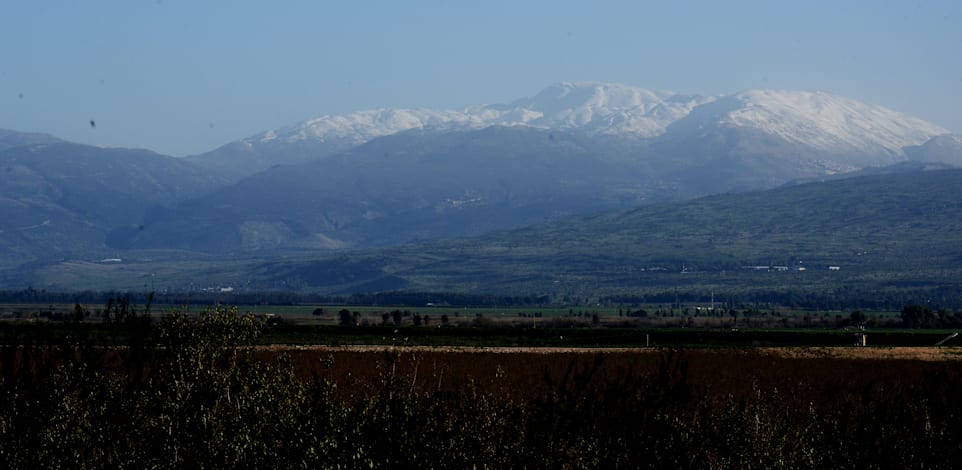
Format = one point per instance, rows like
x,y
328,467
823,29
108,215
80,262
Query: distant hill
x,y
9,139
939,149
911,166
886,228
882,232
414,186
60,199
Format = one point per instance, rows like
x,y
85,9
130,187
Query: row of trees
x,y
395,317
886,297
845,298
31,295
921,316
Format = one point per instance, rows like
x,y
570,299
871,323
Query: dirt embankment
x,y
865,353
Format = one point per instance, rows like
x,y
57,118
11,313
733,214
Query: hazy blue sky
x,y
185,76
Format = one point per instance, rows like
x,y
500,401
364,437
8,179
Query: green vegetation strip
x,y
13,333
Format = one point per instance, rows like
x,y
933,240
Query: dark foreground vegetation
x,y
193,391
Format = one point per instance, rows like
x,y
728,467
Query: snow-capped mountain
x,y
593,107
816,125
357,128
391,176
942,149
818,120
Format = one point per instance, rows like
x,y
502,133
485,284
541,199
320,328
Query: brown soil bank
x,y
809,375
871,353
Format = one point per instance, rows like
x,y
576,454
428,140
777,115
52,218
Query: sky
x,y
182,77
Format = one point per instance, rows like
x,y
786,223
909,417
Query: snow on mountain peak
x,y
564,97
603,108
361,126
596,108
819,120
828,122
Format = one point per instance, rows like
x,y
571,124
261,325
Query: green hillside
x,y
885,234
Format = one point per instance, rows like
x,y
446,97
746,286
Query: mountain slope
x,y
594,108
410,186
877,230
839,134
9,139
885,233
939,149
62,199
317,138
438,181
820,121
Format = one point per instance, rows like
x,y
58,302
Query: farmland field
x,y
224,389
819,371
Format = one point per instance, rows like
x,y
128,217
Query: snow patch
x,y
828,122
824,122
596,108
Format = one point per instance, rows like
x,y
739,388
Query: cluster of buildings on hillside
x,y
771,268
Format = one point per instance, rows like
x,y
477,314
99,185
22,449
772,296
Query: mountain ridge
x,y
827,123
888,231
61,199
